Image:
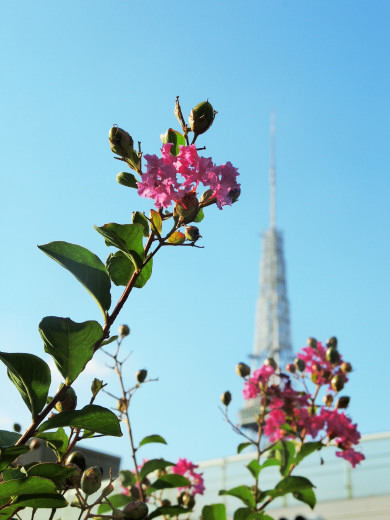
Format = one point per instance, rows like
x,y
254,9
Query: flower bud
x,y
243,370
333,356
135,510
299,364
186,208
192,233
291,368
68,402
121,142
123,331
108,490
312,342
226,397
346,367
206,195
342,402
328,400
141,375
17,428
166,503
337,383
332,342
91,480
234,194
185,499
122,405
74,480
78,458
201,117
35,444
271,363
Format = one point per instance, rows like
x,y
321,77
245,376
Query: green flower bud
x,y
78,458
337,383
135,510
201,117
234,194
141,375
271,362
35,444
206,195
123,331
68,402
122,405
186,208
108,490
290,367
332,355
226,397
346,367
185,499
343,402
192,233
243,370
328,400
312,342
91,480
332,342
121,142
17,428
299,364
74,480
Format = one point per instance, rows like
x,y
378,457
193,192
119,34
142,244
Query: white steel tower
x,y
272,323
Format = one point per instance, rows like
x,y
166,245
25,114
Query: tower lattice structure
x,y
272,323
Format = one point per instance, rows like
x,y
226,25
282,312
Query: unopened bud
x,y
291,368
35,444
108,490
346,367
123,331
135,510
201,117
17,428
122,405
91,480
78,458
186,208
271,363
312,342
337,383
166,503
74,480
234,194
192,233
68,402
332,342
206,195
333,356
121,142
343,402
328,400
141,375
299,364
243,370
226,397
185,499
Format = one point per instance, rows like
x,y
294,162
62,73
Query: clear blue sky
x,y
72,69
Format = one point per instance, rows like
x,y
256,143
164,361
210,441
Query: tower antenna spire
x,y
272,174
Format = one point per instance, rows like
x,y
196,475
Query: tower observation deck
x,y
272,322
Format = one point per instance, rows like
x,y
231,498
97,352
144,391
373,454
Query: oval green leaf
x,y
151,439
40,501
26,486
121,269
31,376
244,493
156,220
214,512
86,267
127,238
139,218
176,238
153,465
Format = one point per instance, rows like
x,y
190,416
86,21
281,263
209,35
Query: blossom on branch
x,y
186,468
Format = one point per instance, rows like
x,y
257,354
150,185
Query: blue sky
x,y
71,70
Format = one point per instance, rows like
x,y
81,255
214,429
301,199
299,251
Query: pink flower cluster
x,y
317,364
186,468
169,178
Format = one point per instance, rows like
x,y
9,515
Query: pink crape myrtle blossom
x,y
261,375
169,178
317,364
186,468
352,456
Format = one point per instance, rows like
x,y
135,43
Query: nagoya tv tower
x,y
272,324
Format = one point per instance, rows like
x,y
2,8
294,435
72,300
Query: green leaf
x,y
92,417
156,220
40,501
127,238
307,496
199,216
139,218
117,502
214,512
57,441
152,465
8,455
8,438
171,480
86,267
121,270
70,344
242,513
31,376
291,485
244,493
55,472
152,438
254,468
307,449
269,462
26,486
109,340
241,447
127,179
176,238
12,474
128,478
7,512
168,511
284,454
174,137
